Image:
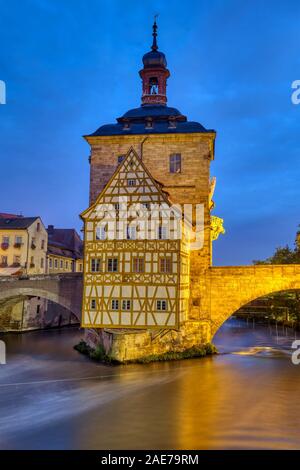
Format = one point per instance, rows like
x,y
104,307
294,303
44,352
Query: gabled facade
x,y
136,266
23,245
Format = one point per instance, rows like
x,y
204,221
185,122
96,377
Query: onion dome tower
x,y
154,75
153,116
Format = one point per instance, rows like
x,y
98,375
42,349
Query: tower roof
x,y
154,58
153,116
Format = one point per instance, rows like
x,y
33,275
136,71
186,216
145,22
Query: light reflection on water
x,y
247,397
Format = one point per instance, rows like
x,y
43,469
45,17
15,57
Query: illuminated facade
x,y
138,277
152,154
23,245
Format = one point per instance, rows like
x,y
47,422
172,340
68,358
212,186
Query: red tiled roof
x,y
4,215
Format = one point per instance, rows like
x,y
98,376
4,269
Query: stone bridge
x,y
63,289
223,290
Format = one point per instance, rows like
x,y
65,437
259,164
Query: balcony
x,y
4,245
18,244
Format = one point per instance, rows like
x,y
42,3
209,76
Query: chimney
x,y
50,229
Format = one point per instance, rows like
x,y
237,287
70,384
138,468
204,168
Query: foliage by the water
x,y
195,351
98,354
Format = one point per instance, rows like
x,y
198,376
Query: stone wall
x,y
130,345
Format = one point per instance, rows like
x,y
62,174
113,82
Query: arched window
x,y
153,86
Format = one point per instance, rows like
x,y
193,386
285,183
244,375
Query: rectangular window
x,y
55,263
32,261
61,263
100,233
18,240
115,304
4,260
161,305
42,262
131,182
162,232
50,262
43,245
17,259
38,226
165,265
95,265
116,206
175,163
80,267
67,265
126,304
93,304
131,232
146,205
38,308
138,265
112,265
5,240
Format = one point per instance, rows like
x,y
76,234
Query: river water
x,y
247,397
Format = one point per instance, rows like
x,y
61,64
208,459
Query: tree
x,y
291,299
284,255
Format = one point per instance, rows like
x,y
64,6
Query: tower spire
x,y
154,46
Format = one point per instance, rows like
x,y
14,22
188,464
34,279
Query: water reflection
x,y
247,397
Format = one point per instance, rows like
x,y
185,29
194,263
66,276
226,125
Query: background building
x,y
23,245
65,250
24,250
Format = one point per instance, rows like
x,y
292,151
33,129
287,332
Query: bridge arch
x,y
23,293
231,288
62,289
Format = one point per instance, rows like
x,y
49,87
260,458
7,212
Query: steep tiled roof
x,y
64,242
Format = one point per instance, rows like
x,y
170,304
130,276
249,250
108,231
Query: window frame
x,y
127,303
115,304
114,261
138,260
160,303
131,180
165,262
175,166
97,262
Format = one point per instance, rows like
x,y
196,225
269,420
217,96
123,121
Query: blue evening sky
x,y
72,65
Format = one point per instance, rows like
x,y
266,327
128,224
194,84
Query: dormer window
x,y
149,123
153,86
126,124
172,122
